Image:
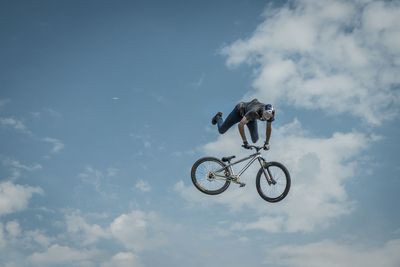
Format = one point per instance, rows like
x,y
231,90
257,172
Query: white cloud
x,y
139,230
147,144
337,56
13,229
2,237
143,186
57,254
184,153
13,236
14,123
189,193
144,138
158,97
197,84
36,114
57,144
87,233
46,111
112,172
334,254
319,168
123,259
38,237
10,264
90,172
99,180
82,238
15,197
17,167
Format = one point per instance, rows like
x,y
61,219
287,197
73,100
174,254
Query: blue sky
x,y
105,106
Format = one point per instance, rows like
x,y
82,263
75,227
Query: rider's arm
x,y
241,125
268,131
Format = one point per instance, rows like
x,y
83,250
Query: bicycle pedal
x,y
242,185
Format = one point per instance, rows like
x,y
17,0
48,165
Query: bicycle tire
x,y
261,175
196,178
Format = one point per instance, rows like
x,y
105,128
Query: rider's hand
x,y
266,146
246,145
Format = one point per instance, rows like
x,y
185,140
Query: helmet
x,y
269,108
268,112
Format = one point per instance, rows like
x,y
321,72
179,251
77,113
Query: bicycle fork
x,y
267,173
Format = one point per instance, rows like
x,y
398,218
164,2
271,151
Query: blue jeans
x,y
235,117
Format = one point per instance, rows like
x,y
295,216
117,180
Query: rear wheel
x,y
273,192
206,174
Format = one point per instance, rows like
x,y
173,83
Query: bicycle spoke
x,y
206,176
274,190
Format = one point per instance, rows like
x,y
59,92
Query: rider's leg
x,y
252,125
216,117
233,118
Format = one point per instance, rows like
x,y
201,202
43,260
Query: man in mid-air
x,y
247,113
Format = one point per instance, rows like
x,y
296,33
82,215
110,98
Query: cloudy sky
x,y
105,106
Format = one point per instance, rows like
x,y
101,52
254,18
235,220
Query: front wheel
x,y
209,175
273,192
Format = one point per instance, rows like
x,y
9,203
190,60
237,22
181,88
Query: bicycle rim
x,y
204,178
273,192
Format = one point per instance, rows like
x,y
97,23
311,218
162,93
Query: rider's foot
x,y
216,118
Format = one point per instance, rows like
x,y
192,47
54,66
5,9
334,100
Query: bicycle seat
x,y
227,159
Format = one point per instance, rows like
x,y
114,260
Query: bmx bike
x,y
213,176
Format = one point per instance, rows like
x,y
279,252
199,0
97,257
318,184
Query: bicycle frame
x,y
252,158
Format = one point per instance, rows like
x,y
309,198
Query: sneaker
x,y
216,117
